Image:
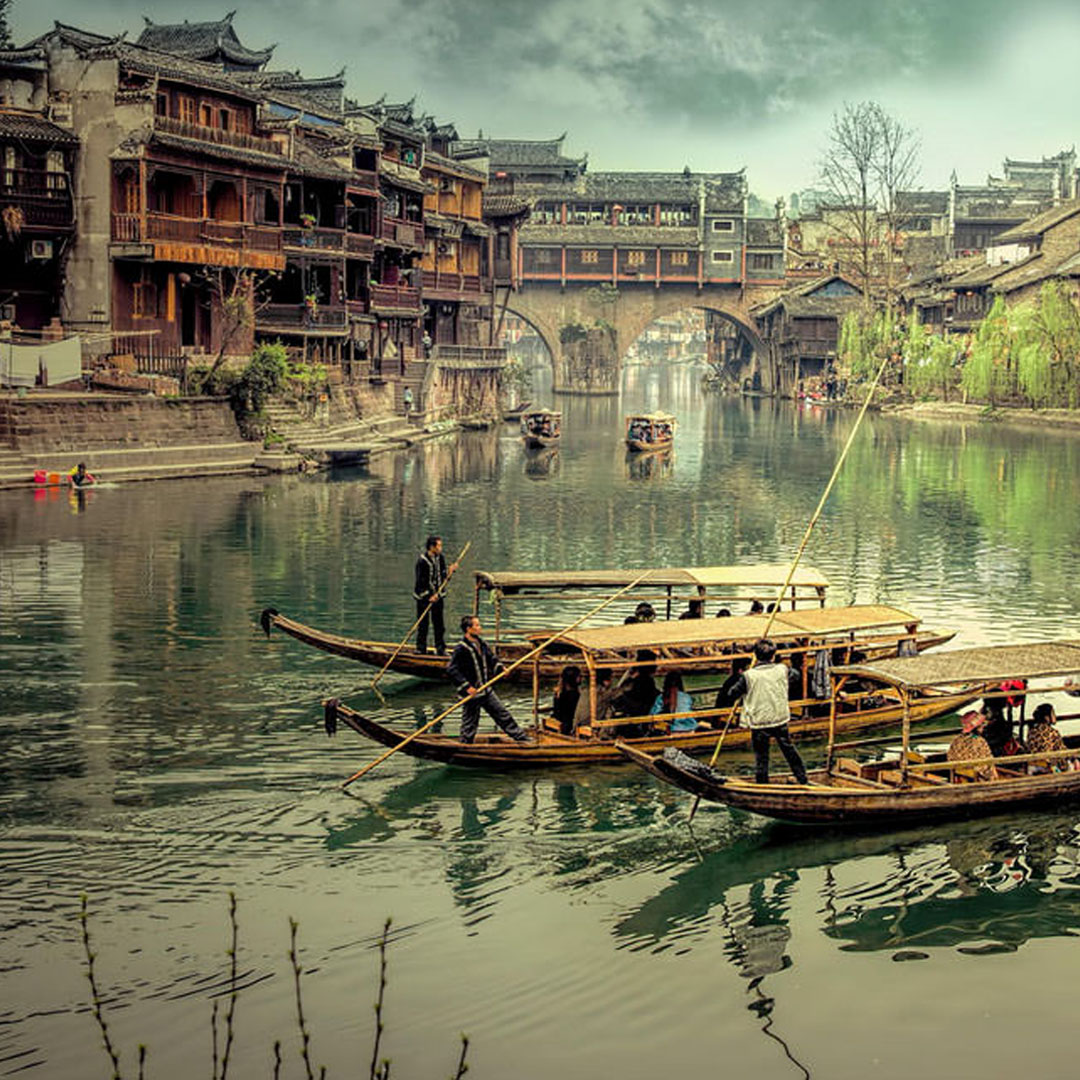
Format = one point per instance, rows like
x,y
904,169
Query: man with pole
x,y
473,665
430,581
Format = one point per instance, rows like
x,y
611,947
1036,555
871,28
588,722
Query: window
x,y
206,115
143,300
55,178
635,258
225,121
544,256
161,103
680,258
723,257
760,261
589,256
723,225
187,109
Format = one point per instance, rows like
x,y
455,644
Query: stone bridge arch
x,y
588,330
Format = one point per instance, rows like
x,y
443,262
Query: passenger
x,y
756,607
695,609
1044,738
637,693
567,697
724,613
771,608
1072,686
725,697
645,612
999,729
766,687
630,620
605,692
675,699
971,746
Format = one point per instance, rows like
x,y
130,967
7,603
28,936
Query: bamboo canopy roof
x,y
652,418
771,575
807,623
984,664
543,412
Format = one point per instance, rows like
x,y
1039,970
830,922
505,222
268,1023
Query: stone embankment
x,y
954,412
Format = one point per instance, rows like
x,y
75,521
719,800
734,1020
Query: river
x,y
158,753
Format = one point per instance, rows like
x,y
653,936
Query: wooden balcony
x,y
404,234
301,318
441,282
395,298
358,244
315,239
217,243
42,197
469,356
364,180
218,136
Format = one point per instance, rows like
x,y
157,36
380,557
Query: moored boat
x,y
919,783
540,428
650,431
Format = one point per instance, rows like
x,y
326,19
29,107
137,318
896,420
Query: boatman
x,y
764,689
428,591
472,664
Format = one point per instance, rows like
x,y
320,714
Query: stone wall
x,y
49,426
461,389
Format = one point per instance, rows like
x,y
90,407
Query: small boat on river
x,y
620,649
871,630
650,431
541,428
514,415
919,783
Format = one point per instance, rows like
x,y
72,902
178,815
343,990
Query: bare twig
x,y
462,1067
305,1036
95,994
374,1072
232,986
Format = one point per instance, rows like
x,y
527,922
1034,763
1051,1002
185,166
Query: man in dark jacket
x,y
472,664
430,581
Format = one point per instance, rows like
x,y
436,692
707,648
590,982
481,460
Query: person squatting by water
x,y
764,688
430,581
472,664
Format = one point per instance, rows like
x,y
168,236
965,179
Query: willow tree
x,y
988,373
1048,347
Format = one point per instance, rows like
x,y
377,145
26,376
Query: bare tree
x,y
235,296
871,158
5,26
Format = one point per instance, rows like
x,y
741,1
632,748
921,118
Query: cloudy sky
x,y
659,84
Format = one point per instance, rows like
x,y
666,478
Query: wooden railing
x,y
364,178
315,239
395,296
358,244
443,281
128,229
218,136
469,355
300,317
403,233
43,197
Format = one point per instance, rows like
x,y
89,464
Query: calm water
x,y
158,752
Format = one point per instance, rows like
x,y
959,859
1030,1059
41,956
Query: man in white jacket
x,y
764,688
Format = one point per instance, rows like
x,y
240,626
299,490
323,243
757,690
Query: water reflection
x,y
650,466
542,464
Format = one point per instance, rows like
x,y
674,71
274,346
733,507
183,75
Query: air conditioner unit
x,y
41,249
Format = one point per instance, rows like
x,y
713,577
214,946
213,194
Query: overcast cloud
x,y
658,84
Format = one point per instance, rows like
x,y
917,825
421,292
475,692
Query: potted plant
x,y
311,304
307,221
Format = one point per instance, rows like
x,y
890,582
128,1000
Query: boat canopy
x,y
552,413
804,623
771,575
988,663
653,418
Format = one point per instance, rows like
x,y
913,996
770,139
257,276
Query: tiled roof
x,y
503,206
512,152
984,274
1039,224
602,235
203,41
922,202
33,128
805,307
225,153
326,93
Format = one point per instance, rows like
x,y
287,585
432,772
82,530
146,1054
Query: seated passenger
x,y
564,704
675,699
605,692
725,613
1043,737
636,694
999,729
695,609
971,746
756,607
645,612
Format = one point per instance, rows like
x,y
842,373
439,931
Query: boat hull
x,y
821,802
640,447
408,661
540,442
549,749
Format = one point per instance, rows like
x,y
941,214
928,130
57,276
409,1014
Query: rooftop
x,y
207,41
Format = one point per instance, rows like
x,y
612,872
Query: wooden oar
x,y
494,679
802,547
421,618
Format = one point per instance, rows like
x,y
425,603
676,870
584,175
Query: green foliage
x,y
263,377
572,332
929,366
602,294
516,376
866,339
989,373
1047,348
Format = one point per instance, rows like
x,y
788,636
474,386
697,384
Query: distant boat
x,y
515,414
540,428
650,431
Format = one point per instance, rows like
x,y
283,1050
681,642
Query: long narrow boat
x,y
707,646
541,428
650,431
913,786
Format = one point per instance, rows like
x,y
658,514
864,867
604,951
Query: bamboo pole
x,y
431,604
492,681
802,547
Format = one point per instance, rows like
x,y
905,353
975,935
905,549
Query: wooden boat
x,y
916,785
514,415
650,431
706,646
594,743
540,428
